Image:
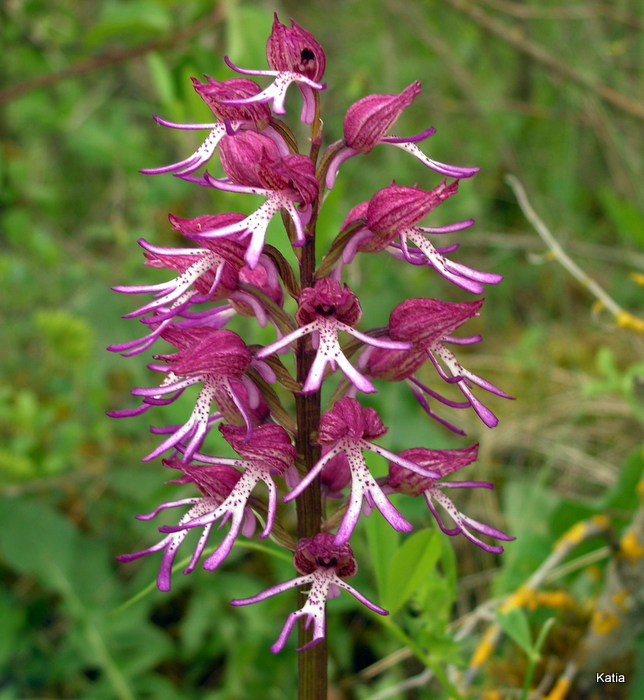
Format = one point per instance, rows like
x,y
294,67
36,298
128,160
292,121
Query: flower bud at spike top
x,y
424,321
370,118
294,50
214,92
328,298
321,551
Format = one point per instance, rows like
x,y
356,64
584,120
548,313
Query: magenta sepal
x,y
445,462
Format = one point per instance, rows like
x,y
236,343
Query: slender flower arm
x,y
408,144
286,340
457,273
313,473
399,459
201,156
365,487
463,379
464,524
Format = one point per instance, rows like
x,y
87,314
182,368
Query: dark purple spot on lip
x,y
327,563
324,310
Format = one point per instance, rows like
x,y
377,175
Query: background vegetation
x,y
547,91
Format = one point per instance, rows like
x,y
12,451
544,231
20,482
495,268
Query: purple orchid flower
x,y
444,462
206,274
217,359
294,57
210,273
394,212
350,428
323,565
216,482
267,452
428,324
325,310
366,124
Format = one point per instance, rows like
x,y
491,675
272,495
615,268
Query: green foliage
x,y
410,569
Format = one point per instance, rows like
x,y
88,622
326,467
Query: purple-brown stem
x,y
312,663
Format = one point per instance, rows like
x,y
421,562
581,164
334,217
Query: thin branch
x,y
580,11
109,58
546,57
527,242
623,318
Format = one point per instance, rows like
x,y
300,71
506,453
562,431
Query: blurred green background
x,y
547,91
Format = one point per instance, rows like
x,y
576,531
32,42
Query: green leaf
x,y
623,494
410,568
37,541
515,624
383,541
13,619
626,217
161,78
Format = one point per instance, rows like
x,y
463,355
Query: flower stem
x,y
312,663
